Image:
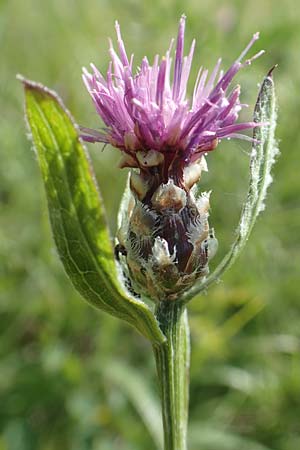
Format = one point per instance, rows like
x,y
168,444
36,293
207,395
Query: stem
x,y
173,362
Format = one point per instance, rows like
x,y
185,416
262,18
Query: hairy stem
x,y
172,362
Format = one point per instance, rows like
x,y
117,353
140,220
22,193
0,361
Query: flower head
x,y
148,116
164,236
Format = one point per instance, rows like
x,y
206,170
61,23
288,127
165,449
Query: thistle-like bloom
x,y
147,111
165,136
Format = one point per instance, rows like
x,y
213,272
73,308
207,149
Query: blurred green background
x,y
73,378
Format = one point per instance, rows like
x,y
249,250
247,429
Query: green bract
x,y
77,213
264,151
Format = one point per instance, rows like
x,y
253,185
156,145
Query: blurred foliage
x,y
67,373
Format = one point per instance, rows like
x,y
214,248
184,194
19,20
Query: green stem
x,y
172,362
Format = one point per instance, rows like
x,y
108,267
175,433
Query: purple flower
x,y
164,238
147,114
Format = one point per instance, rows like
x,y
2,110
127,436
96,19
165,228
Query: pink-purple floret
x,y
149,111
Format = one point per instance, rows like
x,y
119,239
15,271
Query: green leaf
x,y
140,394
76,211
206,435
264,151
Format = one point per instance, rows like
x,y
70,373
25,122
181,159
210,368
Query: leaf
x,y
76,211
207,435
139,393
264,151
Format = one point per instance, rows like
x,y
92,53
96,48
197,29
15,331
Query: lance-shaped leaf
x,y
264,151
139,393
76,211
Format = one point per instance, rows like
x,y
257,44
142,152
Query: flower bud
x,y
167,238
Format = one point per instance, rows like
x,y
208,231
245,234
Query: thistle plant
x,y
164,244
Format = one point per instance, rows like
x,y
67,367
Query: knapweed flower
x,y
163,137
